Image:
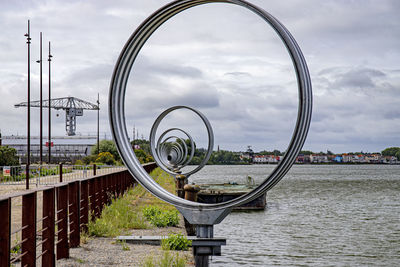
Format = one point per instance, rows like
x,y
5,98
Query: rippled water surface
x,y
335,215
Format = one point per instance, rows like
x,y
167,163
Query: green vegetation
x,y
217,157
106,146
167,260
176,242
142,156
127,212
161,218
16,249
105,158
392,151
8,156
89,160
117,218
142,144
125,247
275,152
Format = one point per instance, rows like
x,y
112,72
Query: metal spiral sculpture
x,y
117,112
171,153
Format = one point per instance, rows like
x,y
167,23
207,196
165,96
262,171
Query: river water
x,y
318,215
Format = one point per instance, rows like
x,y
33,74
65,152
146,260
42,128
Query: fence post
x,y
74,214
62,222
48,258
61,172
5,231
29,229
94,169
84,205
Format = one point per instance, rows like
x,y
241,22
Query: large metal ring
x,y
153,147
160,144
117,100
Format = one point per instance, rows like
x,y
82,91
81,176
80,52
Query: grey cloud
x,y
360,78
238,73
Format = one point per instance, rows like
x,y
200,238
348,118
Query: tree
x,y
106,158
306,152
107,146
142,156
391,151
277,153
143,144
8,156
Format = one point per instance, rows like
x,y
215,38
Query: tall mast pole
x,y
49,60
28,41
98,124
41,103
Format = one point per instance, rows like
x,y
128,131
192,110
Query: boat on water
x,y
217,193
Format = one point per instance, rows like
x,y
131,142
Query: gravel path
x,y
108,252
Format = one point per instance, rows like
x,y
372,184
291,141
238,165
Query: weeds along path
x,y
125,217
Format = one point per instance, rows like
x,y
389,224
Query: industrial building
x,y
63,149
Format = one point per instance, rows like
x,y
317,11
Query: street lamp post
x,y
41,103
49,140
28,160
98,124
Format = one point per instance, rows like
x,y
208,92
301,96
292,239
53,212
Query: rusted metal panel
x,y
119,184
74,214
108,189
97,197
92,197
5,231
84,202
103,192
149,167
29,233
62,222
48,258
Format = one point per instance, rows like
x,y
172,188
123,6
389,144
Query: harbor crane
x,y
73,107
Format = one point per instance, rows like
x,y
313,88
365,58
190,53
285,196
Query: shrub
x,y
106,158
78,162
176,242
89,159
167,260
161,218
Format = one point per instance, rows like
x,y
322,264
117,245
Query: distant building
x,y
64,149
314,158
248,154
265,159
373,158
389,159
338,159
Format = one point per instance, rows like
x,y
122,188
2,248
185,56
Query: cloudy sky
x,y
220,59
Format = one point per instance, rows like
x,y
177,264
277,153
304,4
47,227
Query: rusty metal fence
x,y
66,210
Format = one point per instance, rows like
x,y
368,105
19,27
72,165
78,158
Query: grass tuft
x,y
127,212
